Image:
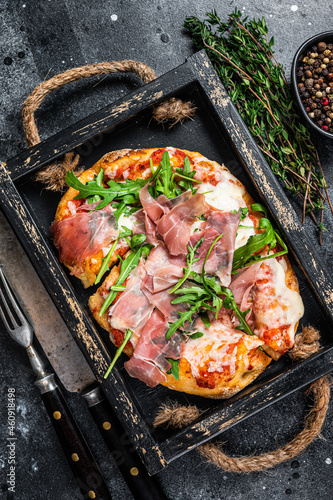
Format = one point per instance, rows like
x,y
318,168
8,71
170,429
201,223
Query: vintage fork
x,y
79,456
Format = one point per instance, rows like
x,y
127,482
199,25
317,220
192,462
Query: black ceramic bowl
x,y
326,37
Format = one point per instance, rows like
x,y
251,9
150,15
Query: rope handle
x,y
73,75
171,111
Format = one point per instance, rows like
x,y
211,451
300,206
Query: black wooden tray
x,y
219,133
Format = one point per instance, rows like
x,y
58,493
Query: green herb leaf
x,y
244,256
120,349
127,265
174,370
196,335
244,211
190,260
138,239
205,318
116,190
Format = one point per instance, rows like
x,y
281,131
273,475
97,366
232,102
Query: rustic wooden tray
x,y
219,133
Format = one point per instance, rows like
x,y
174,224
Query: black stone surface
x,y
40,38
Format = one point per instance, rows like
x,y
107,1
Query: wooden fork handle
x,y
78,454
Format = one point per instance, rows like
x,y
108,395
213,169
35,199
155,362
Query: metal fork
x,y
79,456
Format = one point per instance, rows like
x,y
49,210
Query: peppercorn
x,y
299,74
317,113
314,105
321,57
323,117
330,115
325,60
320,123
323,86
324,72
324,127
324,102
319,94
321,46
327,52
311,61
326,108
328,121
330,46
309,82
318,71
308,73
328,90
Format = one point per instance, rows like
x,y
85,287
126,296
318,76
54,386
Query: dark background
x,y
40,38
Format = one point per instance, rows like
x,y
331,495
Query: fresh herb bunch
x,y
244,60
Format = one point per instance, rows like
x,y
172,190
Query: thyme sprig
x,y
244,59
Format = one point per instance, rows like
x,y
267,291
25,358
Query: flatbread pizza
x,y
195,285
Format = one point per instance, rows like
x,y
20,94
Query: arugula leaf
x,y
165,181
217,302
127,265
190,260
184,316
116,190
99,180
244,211
205,318
120,349
196,335
174,370
230,303
244,256
187,174
137,239
258,207
106,260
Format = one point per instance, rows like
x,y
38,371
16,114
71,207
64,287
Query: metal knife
x,y
71,367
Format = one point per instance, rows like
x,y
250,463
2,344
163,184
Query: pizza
x,y
194,282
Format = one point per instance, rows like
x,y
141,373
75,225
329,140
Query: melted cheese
x,y
216,351
275,304
244,233
227,195
126,221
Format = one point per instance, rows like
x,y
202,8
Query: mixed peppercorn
x,y
315,84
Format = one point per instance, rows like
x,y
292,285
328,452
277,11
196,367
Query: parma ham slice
x,y
149,363
175,226
82,235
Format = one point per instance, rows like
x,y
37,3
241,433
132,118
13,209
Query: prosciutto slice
x,y
148,362
162,269
155,209
175,226
82,235
132,310
241,286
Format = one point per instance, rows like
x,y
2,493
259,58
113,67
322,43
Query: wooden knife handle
x,y
141,485
83,465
